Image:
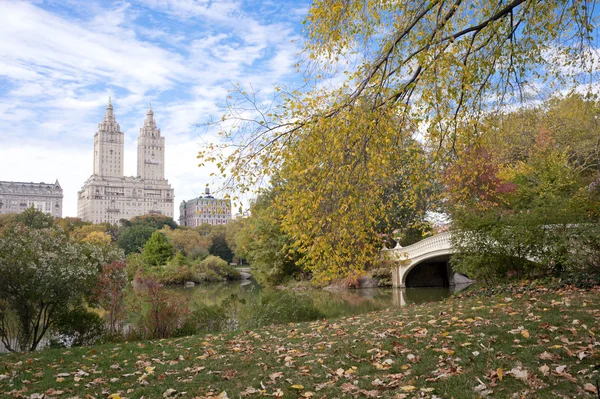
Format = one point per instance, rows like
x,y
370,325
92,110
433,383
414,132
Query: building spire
x,y
109,116
149,122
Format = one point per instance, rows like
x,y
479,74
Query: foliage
x,y
132,239
263,243
214,318
98,238
176,271
157,250
79,326
232,231
42,273
157,222
188,241
70,224
34,219
110,293
526,210
414,72
218,246
166,314
215,266
84,231
134,262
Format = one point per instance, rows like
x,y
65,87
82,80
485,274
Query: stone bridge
x,y
435,250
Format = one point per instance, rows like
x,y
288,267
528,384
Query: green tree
x,y
265,245
35,219
157,251
44,274
132,239
423,71
155,221
218,244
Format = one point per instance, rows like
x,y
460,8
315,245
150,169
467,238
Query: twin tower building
x,y
108,196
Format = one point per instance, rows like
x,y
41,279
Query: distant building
x,y
207,209
108,196
15,197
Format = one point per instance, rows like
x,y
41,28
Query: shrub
x,y
78,327
110,292
166,314
213,268
41,273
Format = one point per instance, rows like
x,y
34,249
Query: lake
x,y
331,303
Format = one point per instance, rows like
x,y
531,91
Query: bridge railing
x,y
437,242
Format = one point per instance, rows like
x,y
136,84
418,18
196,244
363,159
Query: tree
x,y
155,221
70,224
530,201
35,219
218,244
232,231
98,238
157,251
186,240
132,239
263,243
43,274
424,70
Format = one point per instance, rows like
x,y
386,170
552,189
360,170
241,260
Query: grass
x,y
524,343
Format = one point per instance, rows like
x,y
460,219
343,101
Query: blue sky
x,y
60,61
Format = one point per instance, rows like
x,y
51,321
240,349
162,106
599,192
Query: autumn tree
x,y
413,70
524,198
188,241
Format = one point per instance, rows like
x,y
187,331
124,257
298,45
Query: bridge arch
x,y
409,257
434,271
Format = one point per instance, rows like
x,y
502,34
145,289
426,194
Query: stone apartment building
x,y
108,195
207,209
16,196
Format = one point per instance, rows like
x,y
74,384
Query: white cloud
x,y
57,71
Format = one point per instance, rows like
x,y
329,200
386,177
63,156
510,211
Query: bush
x,y
110,293
383,273
43,273
167,312
78,327
214,268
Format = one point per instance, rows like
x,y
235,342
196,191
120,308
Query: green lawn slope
x,y
523,343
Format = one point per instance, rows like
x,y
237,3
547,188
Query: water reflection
x,y
331,303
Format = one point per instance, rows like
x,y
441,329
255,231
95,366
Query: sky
x,y
60,60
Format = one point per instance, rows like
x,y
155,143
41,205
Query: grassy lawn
x,y
528,343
